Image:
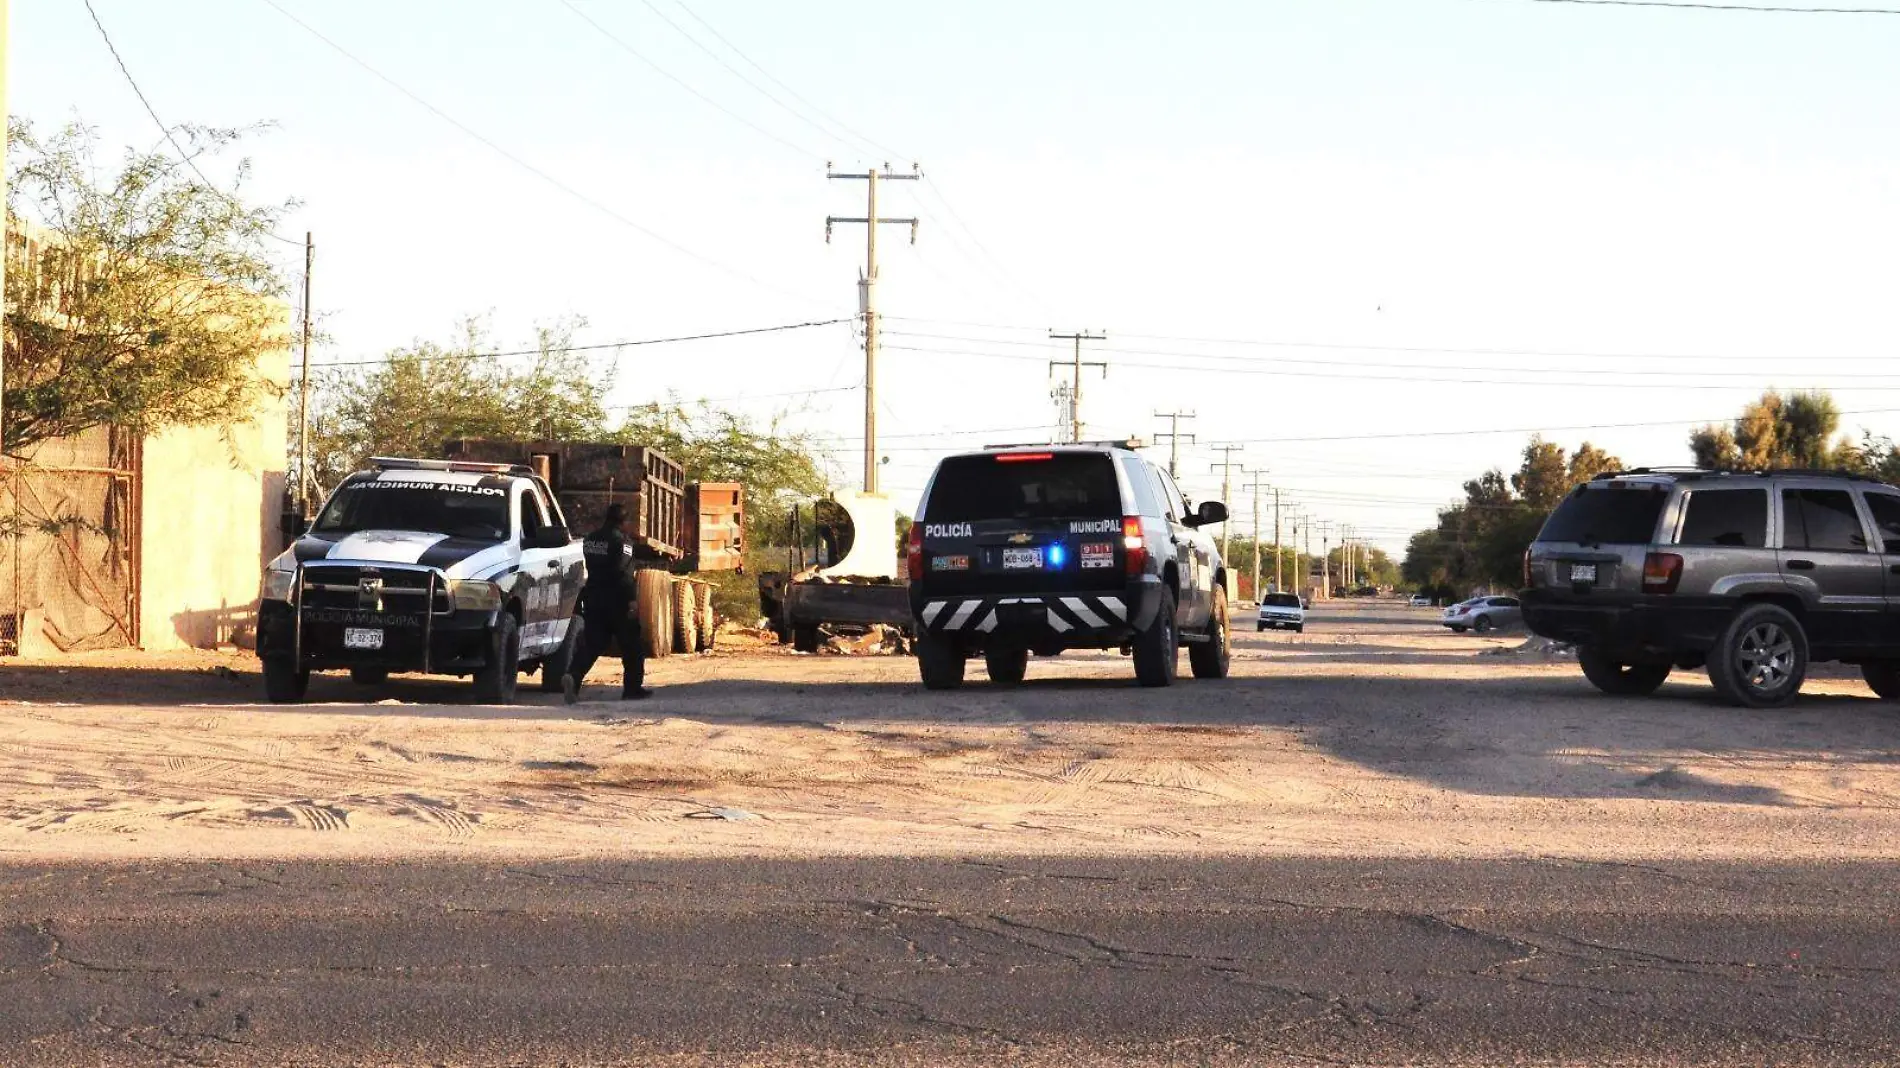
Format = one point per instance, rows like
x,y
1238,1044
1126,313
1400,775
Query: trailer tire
x,y
685,618
708,620
653,596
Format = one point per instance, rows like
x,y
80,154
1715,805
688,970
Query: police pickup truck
x,y
428,566
1037,549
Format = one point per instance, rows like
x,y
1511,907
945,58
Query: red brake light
x,y
1023,457
1134,545
914,552
1662,572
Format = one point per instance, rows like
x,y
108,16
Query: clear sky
x,y
1704,203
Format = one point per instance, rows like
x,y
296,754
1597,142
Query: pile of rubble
x,y
1542,648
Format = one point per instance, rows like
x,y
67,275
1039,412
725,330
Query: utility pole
x,y
1174,437
303,389
867,296
1276,540
1256,486
1226,467
1075,387
1326,560
3,185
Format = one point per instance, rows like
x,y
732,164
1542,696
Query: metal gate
x,y
69,543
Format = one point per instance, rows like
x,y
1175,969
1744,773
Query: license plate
x,y
1021,559
949,563
1583,572
362,638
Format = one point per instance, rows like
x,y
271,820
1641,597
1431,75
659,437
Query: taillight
x,y
914,552
1662,572
1134,545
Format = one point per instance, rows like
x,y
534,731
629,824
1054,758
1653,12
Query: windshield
x,y
1282,600
1048,486
459,511
1607,515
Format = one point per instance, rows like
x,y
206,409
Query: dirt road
x,y
1375,733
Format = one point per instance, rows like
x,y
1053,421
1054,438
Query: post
x,y
1326,560
3,182
1076,365
867,298
1256,486
1276,539
1226,488
303,389
1174,436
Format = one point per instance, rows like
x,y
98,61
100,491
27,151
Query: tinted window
x,y
460,511
1727,517
1821,519
1061,486
1142,485
1607,515
1504,602
1886,509
1282,600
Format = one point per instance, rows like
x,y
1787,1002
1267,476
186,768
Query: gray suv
x,y
1752,575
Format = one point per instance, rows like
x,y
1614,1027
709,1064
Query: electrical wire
x,y
628,344
1760,8
536,171
184,157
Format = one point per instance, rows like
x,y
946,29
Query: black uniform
x,y
607,609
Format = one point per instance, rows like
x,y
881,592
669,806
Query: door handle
x,y
1801,565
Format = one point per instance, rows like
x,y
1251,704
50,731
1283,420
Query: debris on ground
x,y
1545,648
732,815
874,640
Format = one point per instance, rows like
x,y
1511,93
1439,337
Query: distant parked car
x,y
1419,600
1281,611
1483,614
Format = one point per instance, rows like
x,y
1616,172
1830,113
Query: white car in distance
x,y
1281,611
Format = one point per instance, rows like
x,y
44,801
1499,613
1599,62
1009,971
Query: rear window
x,y
1062,486
1282,600
1735,518
1607,515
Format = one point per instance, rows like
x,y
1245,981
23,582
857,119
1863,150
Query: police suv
x,y
1037,549
432,566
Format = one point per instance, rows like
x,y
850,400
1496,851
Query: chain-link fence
x,y
68,544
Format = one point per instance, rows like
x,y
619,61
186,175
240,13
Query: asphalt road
x,y
1163,961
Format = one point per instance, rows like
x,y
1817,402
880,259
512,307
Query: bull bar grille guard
x,y
433,580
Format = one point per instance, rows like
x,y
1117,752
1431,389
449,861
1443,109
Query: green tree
x,y
1589,461
1774,432
1544,477
152,299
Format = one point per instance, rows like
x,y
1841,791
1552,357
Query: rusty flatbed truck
x,y
854,583
679,530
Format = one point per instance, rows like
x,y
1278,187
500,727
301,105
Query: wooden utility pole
x,y
1075,383
303,389
3,189
1174,437
1256,486
1326,560
867,296
1276,540
1226,468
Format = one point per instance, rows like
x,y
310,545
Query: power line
x,y
628,344
184,157
1760,8
1409,435
534,170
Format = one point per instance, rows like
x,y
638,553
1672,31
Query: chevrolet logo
x,y
369,594
1021,539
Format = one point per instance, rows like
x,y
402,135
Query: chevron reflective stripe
x,y
1088,618
932,611
962,616
1114,606
1059,624
988,622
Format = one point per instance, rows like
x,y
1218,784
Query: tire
x,y
805,637
283,683
653,602
1211,658
1158,648
1481,625
555,665
708,621
495,682
1301,629
1006,666
685,619
1760,658
369,676
1883,677
1258,627
939,663
1617,678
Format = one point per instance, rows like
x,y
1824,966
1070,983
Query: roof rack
x,y
1129,443
1705,472
400,463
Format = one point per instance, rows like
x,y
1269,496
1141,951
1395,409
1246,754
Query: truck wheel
x,y
555,666
283,683
496,680
1210,659
939,662
1760,658
1158,648
805,637
1615,677
1007,666
685,619
1883,677
708,621
653,594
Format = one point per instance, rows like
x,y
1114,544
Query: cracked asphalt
x,y
1137,960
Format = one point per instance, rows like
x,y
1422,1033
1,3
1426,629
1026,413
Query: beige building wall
x,y
209,521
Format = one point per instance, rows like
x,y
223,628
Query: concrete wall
x,y
211,501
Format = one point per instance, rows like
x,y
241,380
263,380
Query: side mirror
x,y
553,536
1209,513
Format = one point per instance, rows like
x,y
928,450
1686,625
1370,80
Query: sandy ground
x,y
1375,733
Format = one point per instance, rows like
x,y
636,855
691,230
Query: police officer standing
x,y
607,609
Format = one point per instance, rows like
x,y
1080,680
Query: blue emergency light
x,y
1056,554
